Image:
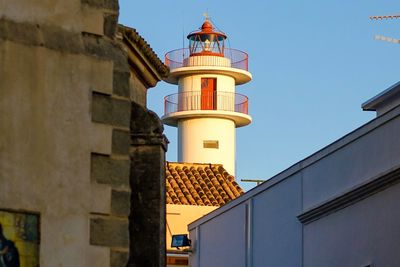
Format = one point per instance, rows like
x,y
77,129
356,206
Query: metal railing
x,y
196,100
176,59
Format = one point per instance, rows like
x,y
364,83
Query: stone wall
x,y
66,92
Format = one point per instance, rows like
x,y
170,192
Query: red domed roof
x,y
207,28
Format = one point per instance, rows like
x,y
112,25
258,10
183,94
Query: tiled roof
x,y
199,184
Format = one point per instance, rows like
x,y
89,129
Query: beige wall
x,y
179,217
65,118
69,15
45,144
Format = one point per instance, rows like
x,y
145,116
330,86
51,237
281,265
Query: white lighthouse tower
x,y
206,108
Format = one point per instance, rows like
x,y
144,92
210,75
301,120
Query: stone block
x,y
108,110
120,202
111,4
100,138
121,83
119,258
109,232
23,33
98,256
101,76
92,21
100,199
145,121
106,49
108,4
106,170
93,3
138,91
110,24
120,142
61,40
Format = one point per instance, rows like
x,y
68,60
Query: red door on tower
x,y
208,93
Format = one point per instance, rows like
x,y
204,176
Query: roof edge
x,y
138,45
375,102
302,164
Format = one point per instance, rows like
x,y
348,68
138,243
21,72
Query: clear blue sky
x,y
313,64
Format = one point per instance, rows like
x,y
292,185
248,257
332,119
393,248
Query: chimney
x,y
385,101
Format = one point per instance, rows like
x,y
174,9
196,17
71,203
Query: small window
x,y
210,144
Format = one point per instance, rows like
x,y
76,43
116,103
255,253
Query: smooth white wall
x,y
192,133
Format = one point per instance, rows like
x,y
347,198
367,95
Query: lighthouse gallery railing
x,y
197,100
238,59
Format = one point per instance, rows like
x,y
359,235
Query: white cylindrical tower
x,y
206,108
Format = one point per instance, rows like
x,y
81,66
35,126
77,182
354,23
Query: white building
x,y
338,207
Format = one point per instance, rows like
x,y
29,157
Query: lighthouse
x,y
207,110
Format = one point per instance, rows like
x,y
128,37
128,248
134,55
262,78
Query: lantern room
x,y
206,41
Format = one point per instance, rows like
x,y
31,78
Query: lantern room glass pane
x,y
209,43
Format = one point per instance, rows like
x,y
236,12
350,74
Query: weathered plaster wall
x,y
45,147
66,91
64,123
72,15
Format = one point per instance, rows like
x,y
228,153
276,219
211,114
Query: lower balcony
x,y
206,104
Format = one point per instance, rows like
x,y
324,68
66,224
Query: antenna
x,y
387,39
384,17
384,38
258,181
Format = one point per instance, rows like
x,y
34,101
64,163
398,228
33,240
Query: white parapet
x,y
206,61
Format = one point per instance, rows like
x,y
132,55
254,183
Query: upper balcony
x,y
179,58
218,104
232,62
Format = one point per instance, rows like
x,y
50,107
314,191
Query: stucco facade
x,y
70,148
337,207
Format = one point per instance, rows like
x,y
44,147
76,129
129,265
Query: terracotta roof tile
x,y
199,184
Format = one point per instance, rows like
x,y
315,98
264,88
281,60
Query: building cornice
x,y
142,58
351,196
